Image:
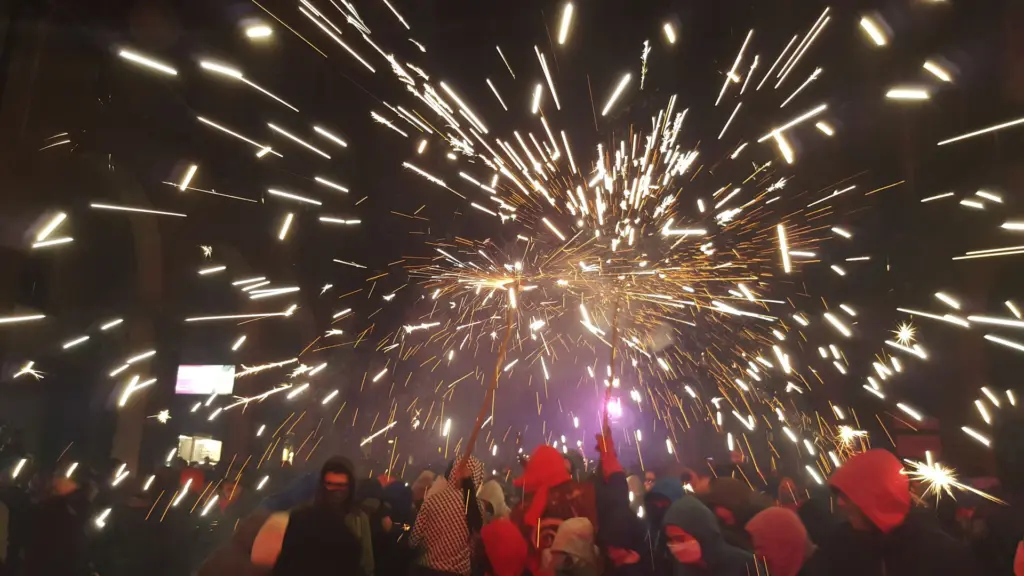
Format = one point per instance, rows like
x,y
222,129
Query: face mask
x,y
336,497
685,552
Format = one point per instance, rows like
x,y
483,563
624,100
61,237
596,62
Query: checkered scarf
x,y
441,529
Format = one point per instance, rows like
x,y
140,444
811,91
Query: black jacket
x,y
918,547
320,540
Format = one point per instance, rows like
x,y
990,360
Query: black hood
x,y
337,464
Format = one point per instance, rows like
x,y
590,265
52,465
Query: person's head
x,y
873,491
472,472
574,543
544,471
493,496
733,501
694,538
336,484
699,484
780,538
659,498
649,479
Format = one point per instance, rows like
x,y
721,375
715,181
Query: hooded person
x,y
551,496
573,552
493,496
656,504
505,549
882,535
449,521
734,503
319,538
696,544
781,539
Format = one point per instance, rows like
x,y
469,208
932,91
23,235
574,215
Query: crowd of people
x,y
554,516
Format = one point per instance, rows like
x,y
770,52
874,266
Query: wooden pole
x,y
611,382
460,469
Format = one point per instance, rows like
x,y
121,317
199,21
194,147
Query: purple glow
x,y
615,408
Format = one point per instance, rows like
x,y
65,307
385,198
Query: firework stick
x,y
459,469
608,390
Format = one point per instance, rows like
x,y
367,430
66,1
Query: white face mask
x,y
685,552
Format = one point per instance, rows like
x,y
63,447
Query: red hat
x,y
505,547
874,481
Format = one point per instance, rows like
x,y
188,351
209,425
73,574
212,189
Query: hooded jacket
x,y
719,558
442,525
875,483
575,537
544,471
901,542
492,493
550,497
781,539
505,548
667,490
316,539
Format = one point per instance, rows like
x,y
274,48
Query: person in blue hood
x,y
695,542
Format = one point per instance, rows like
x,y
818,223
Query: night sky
x,y
132,129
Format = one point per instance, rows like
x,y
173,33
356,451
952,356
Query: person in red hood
x,y
780,538
882,535
551,496
505,549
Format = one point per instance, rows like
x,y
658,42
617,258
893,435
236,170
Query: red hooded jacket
x,y
550,497
875,482
505,548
